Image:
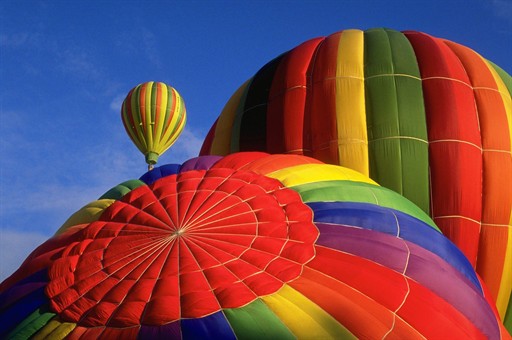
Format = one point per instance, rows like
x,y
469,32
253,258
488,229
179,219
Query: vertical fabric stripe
x,y
320,120
253,127
234,145
224,128
397,133
352,138
287,101
497,171
454,141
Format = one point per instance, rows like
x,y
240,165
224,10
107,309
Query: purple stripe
x,y
423,266
169,331
199,163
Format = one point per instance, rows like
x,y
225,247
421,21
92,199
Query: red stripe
x,y
376,289
497,167
287,100
321,109
456,167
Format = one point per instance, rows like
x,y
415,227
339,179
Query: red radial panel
x,y
184,247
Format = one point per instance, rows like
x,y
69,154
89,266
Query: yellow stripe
x,y
169,137
221,143
309,173
87,214
55,329
505,290
161,110
304,319
350,102
147,113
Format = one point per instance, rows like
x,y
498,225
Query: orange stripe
x,y
497,167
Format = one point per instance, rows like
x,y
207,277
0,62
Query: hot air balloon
x,y
153,115
426,117
251,245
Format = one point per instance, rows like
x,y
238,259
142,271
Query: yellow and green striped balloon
x,y
153,115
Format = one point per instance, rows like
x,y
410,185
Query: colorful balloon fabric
x,y
248,246
154,116
423,116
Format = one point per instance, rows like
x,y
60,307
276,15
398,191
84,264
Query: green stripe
x,y
122,189
180,115
397,130
507,79
32,324
256,321
349,191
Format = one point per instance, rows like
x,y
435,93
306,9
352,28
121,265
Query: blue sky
x,y
66,66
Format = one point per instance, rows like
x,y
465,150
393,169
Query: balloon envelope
x,y
248,246
154,116
426,117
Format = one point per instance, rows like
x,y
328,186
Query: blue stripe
x,y
374,217
214,326
165,170
10,317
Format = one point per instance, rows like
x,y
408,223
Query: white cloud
x,y
15,246
117,102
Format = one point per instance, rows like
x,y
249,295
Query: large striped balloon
x,y
248,246
423,116
153,115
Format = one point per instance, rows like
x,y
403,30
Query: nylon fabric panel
x,y
253,130
89,213
398,293
321,107
302,317
15,314
32,324
224,128
497,173
55,329
395,223
287,101
504,82
360,192
352,138
235,133
396,121
455,146
415,262
213,326
256,321
273,163
313,173
364,317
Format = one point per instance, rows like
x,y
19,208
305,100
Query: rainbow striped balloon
x,y
423,116
248,246
154,116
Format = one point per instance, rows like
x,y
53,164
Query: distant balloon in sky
x,y
248,246
154,116
426,117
